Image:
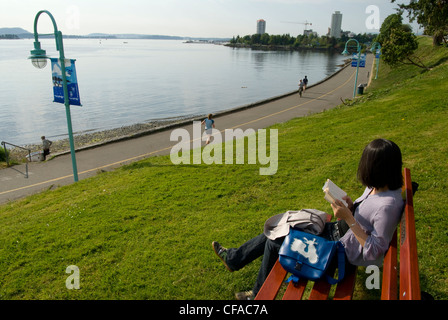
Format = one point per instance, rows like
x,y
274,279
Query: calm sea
x,y
123,82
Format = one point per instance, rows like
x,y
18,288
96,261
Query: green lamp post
x,y
376,46
345,52
39,60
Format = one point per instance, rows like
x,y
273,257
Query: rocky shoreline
x,y
89,139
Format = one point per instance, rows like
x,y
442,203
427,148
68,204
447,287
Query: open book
x,y
333,192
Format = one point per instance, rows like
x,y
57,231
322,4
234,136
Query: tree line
x,y
301,41
8,36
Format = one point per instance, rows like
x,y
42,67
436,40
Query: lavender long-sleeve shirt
x,y
378,215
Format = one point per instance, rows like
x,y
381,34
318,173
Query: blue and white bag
x,y
308,256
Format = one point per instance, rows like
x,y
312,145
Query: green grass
x,y
144,231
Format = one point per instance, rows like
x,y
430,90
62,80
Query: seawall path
x,y
318,97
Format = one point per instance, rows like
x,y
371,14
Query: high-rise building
x,y
309,32
336,23
261,26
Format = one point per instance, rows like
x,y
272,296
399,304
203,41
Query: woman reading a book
x,y
365,226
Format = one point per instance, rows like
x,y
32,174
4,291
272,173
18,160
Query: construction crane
x,y
306,23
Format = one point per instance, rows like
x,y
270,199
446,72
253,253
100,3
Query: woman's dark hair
x,y
210,116
380,165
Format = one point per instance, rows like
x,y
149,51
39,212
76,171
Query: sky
x,y
196,18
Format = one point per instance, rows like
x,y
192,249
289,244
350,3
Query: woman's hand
x,y
349,202
344,213
341,211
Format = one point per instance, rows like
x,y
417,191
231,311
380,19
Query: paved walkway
x,y
58,171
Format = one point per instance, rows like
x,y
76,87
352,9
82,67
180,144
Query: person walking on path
x,y
209,125
301,85
46,146
305,82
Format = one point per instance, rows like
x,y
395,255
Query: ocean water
x,y
123,82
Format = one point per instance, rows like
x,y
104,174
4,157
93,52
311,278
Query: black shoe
x,y
221,252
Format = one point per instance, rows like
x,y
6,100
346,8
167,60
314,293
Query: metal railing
x,y
4,143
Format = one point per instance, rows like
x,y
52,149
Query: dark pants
x,y
256,247
46,153
259,246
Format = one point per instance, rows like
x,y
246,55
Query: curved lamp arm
x,y
38,55
37,18
345,52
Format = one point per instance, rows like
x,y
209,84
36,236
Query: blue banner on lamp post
x,y
362,60
378,54
72,81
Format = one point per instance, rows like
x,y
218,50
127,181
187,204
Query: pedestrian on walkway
x,y
305,81
209,125
301,85
46,146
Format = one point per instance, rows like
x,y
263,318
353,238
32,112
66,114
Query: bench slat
x,y
389,287
271,285
295,291
321,288
344,290
409,276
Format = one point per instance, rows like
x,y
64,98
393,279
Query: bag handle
x,y
341,265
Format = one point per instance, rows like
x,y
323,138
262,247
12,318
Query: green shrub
x,y
2,154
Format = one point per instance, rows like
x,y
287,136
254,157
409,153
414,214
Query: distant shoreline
x,y
282,48
20,33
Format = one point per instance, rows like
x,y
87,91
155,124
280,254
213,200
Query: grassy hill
x,y
144,231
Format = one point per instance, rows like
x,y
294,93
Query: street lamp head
x,y
39,63
345,52
38,56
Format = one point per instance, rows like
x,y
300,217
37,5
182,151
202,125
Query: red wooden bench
x,y
407,277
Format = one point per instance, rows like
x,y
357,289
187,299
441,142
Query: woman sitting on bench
x,y
365,227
